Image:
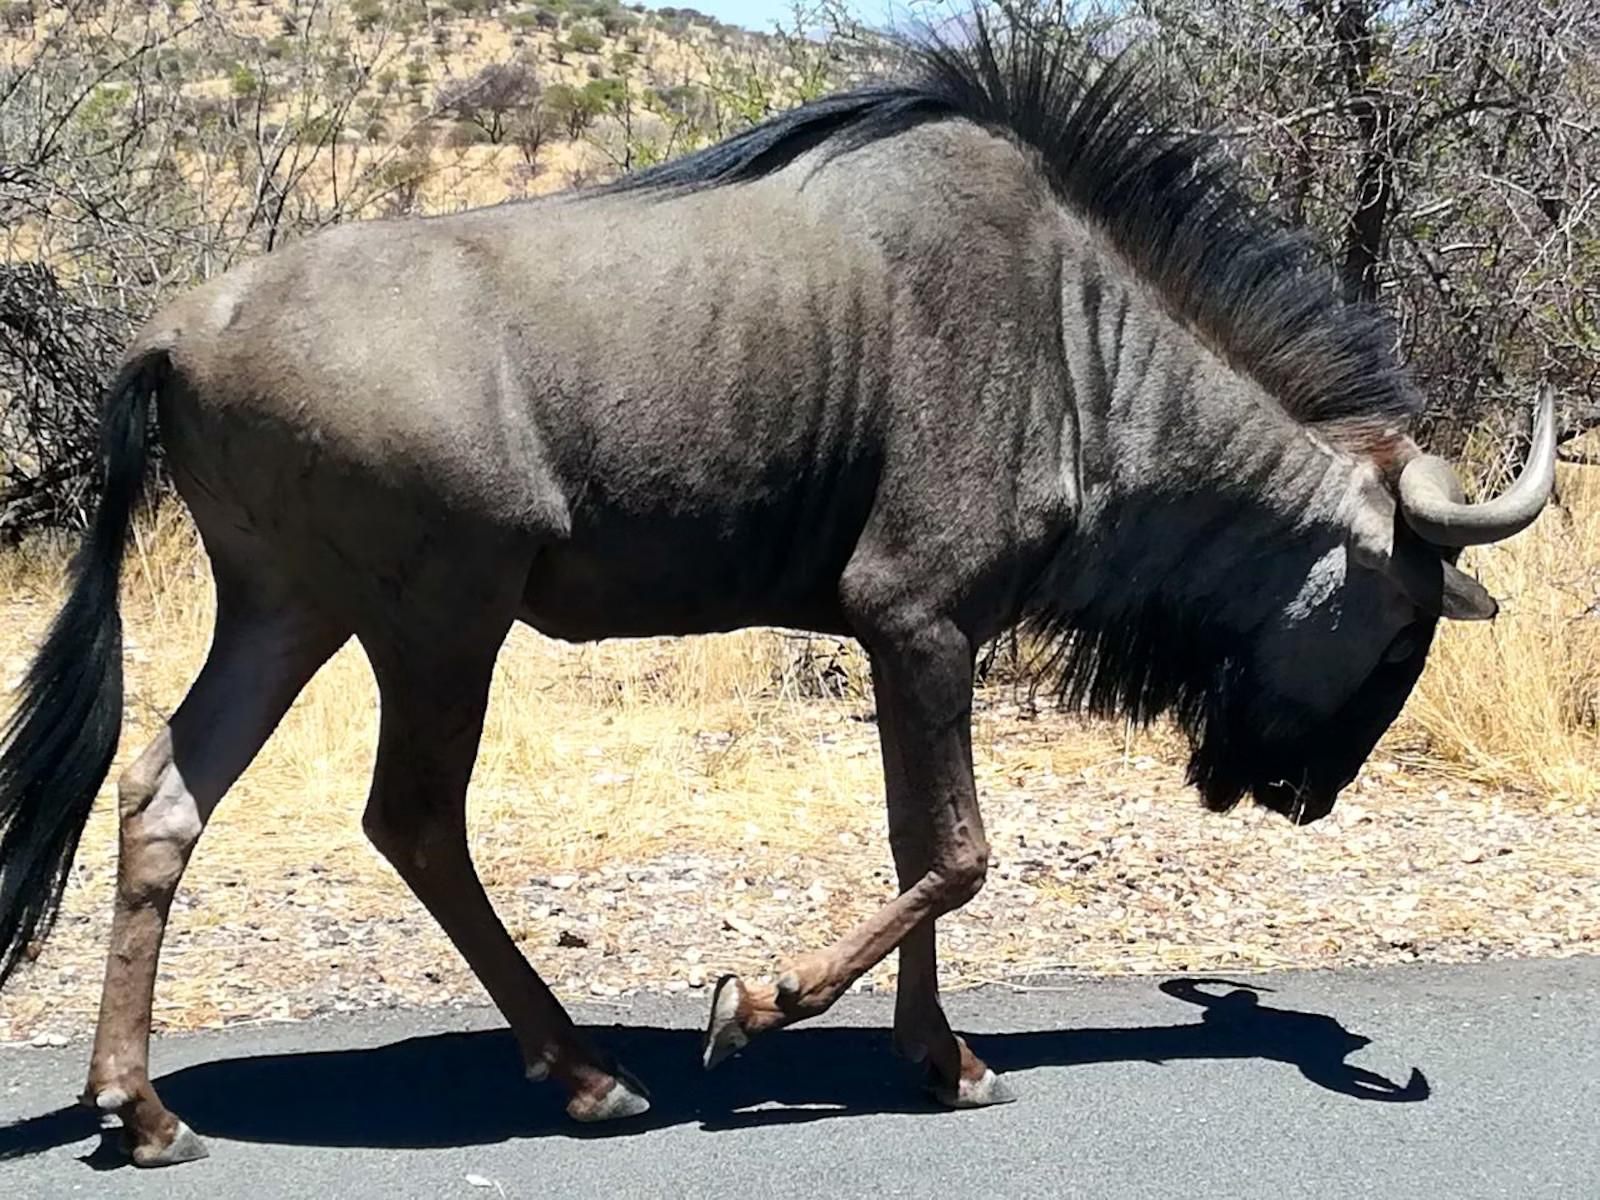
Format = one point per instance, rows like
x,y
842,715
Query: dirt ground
x,y
1110,866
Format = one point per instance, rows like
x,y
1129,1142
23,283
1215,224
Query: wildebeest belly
x,y
738,558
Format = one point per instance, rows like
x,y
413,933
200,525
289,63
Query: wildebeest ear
x,y
1438,586
1463,598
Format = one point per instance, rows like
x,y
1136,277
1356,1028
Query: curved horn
x,y
1432,501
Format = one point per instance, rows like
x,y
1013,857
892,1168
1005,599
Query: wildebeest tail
x,y
57,746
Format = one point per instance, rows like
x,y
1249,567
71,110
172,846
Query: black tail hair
x,y
57,748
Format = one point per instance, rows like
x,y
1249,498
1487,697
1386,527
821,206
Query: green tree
x,y
492,97
573,109
585,40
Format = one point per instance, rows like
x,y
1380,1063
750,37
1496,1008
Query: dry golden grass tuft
x,y
1513,703
589,752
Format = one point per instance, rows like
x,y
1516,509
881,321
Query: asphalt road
x,y
1456,1082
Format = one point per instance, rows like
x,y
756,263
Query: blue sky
x,y
760,14
752,14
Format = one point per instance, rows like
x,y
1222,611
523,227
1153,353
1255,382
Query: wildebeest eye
x,y
1402,648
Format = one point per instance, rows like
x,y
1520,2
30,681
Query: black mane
x,y
1168,202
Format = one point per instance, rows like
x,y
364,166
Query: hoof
x,y
626,1097
724,1035
981,1092
185,1146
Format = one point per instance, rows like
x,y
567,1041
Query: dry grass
x,y
616,749
1513,703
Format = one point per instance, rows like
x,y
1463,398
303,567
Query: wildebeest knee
x,y
389,838
137,785
962,873
160,825
407,840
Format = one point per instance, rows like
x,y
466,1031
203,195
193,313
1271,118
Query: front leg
x,y
922,1033
923,684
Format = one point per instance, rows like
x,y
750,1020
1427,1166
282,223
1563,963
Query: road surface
x,y
1415,1082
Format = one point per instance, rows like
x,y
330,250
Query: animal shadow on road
x,y
455,1089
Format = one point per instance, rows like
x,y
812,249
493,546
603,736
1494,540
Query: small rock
x,y
740,925
571,941
42,1040
562,882
696,977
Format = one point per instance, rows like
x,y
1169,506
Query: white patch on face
x,y
1324,578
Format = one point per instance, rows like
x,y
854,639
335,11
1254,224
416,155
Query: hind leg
x,y
433,694
259,661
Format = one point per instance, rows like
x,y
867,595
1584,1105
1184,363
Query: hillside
x,y
386,106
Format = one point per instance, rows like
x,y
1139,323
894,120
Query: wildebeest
x,y
976,348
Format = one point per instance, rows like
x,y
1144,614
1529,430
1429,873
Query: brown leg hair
x,y
923,685
258,663
432,718
922,1033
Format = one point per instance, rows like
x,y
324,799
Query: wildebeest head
x,y
1286,705
1292,713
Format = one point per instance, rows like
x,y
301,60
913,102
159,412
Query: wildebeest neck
x,y
1205,509
1199,490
